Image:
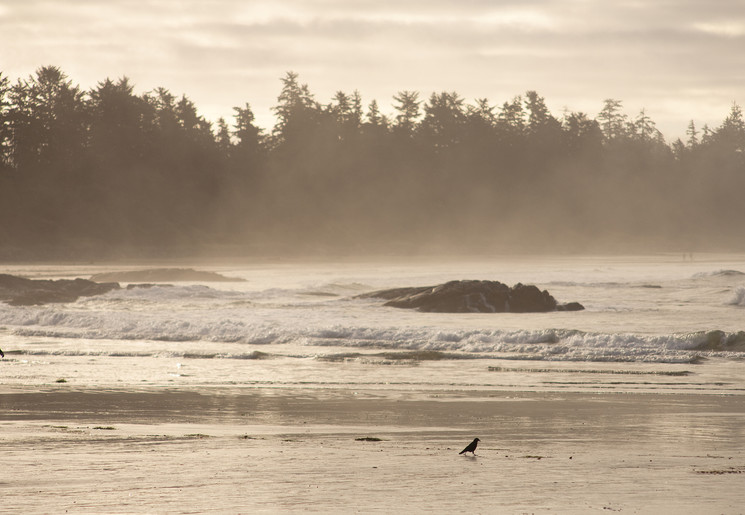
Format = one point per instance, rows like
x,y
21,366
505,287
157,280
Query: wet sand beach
x,y
287,393
336,450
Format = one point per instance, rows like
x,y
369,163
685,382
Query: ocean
x,y
668,322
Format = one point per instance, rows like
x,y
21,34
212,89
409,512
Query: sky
x,y
679,60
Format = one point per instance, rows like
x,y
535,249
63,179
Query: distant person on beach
x,y
1,353
471,447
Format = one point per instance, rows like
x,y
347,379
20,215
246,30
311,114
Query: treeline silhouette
x,y
110,173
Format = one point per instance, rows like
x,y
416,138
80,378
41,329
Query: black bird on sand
x,y
471,447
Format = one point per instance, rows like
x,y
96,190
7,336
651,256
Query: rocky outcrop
x,y
19,291
473,297
157,275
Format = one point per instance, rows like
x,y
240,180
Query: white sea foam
x,y
227,327
623,321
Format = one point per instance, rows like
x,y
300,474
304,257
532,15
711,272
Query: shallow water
x,y
284,450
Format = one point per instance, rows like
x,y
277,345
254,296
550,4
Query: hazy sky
x,y
678,59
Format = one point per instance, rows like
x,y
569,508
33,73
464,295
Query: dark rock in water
x,y
570,306
157,275
19,291
473,297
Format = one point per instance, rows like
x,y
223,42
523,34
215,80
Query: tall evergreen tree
x,y
511,118
644,129
611,119
223,138
296,109
407,107
248,135
692,134
117,131
732,131
6,134
48,122
444,120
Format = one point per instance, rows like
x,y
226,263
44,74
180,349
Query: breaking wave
x,y
326,316
719,273
738,299
553,344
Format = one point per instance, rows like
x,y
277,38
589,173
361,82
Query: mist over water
x,y
109,174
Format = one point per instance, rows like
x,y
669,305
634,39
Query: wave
x,y
549,344
719,273
162,293
738,299
159,294
144,354
606,285
315,316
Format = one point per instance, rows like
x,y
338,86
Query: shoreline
x,y
218,404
